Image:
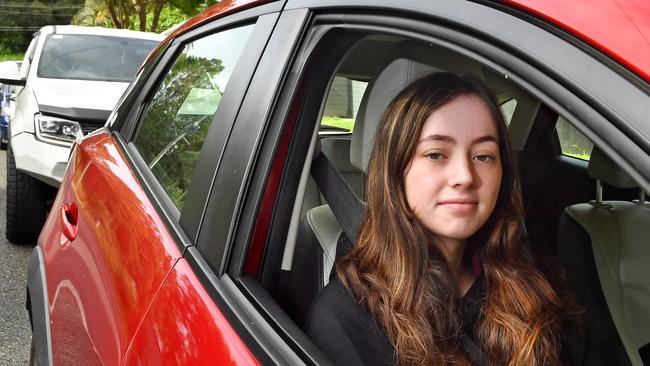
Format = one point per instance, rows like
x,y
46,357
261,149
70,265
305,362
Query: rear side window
x,y
508,109
572,142
176,121
92,57
342,104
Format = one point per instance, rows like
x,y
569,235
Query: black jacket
x,y
349,335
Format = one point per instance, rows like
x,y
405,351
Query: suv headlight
x,y
57,129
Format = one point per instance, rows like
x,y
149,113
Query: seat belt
x,y
345,204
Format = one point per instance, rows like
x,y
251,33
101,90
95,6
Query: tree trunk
x,y
125,8
142,14
111,9
158,6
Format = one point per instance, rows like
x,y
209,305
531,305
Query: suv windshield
x,y
92,57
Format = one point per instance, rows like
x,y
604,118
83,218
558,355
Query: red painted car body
x,y
618,28
104,299
119,287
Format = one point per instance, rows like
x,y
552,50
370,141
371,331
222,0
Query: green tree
x,y
22,18
169,140
143,15
94,13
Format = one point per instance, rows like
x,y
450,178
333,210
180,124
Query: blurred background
x,y
19,19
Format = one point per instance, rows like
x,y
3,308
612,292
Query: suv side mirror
x,y
9,74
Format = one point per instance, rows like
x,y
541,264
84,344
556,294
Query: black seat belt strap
x,y
345,204
475,353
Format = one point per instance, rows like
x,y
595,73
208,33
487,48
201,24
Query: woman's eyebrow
x,y
443,138
451,140
486,138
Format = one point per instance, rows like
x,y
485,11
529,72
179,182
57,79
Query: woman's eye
x,y
434,156
484,158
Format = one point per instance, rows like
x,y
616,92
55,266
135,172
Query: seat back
x,y
317,234
605,250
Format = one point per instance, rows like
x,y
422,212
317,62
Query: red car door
x,y
178,140
106,252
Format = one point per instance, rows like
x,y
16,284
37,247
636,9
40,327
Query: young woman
x,y
440,273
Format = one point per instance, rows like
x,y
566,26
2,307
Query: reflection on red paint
x,y
185,327
619,28
101,283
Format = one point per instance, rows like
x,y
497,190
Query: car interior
x,y
581,208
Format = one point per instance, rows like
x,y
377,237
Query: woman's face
x,y
453,181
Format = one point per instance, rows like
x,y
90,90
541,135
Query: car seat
x,y
603,246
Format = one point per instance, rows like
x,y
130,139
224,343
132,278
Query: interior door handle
x,y
68,219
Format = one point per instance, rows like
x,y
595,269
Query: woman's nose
x,y
461,172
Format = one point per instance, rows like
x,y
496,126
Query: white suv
x,y
69,82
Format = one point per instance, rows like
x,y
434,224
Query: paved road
x,y
15,333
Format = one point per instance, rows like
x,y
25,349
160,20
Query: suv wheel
x,y
26,204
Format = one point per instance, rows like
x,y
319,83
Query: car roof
x,y
218,10
618,28
75,29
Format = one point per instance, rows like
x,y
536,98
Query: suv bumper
x,y
43,161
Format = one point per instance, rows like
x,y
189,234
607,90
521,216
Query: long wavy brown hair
x,y
404,281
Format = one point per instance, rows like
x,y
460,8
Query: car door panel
x,y
185,327
102,282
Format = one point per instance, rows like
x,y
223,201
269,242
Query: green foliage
x,y
12,56
172,138
191,7
157,15
169,17
93,13
22,18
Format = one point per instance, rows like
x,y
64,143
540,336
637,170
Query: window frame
x,y
209,255
481,42
230,99
185,223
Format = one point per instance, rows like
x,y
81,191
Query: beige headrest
x,y
603,168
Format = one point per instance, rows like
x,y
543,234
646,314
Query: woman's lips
x,y
460,204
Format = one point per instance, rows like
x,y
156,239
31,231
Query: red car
x,y
191,230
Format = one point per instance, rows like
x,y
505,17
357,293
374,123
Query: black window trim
x,y
556,90
219,133
124,129
254,111
142,102
259,334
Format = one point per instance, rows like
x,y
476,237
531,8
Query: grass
x,y
574,150
12,57
581,156
346,123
